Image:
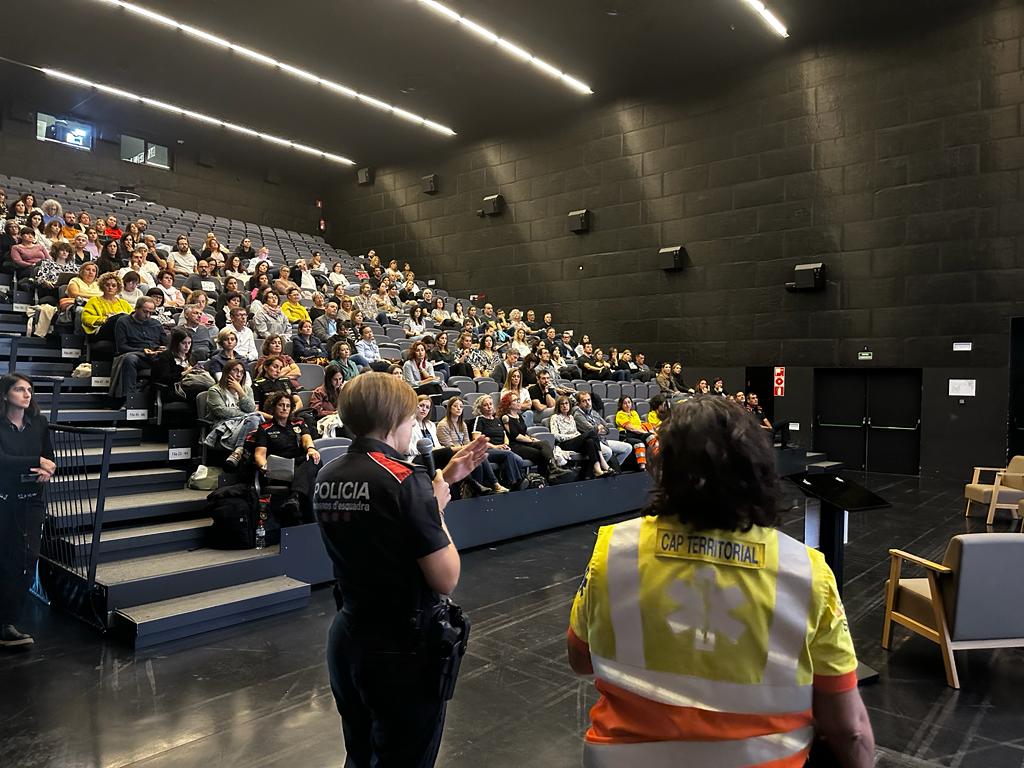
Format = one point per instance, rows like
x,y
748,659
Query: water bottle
x,y
261,536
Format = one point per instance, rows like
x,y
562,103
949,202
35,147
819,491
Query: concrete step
x,y
149,454
143,540
45,368
103,416
146,506
152,623
123,482
155,578
825,467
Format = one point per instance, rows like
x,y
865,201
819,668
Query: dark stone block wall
x,y
897,162
234,190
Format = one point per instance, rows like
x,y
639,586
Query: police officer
x,y
714,638
26,461
382,520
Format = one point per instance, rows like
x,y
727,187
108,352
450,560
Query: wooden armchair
x,y
1005,492
962,603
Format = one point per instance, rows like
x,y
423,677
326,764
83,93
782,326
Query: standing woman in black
x,y
382,520
26,462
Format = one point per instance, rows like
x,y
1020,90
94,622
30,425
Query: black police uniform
x,y
378,516
21,510
286,442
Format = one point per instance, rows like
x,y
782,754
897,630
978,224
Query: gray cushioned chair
x,y
972,600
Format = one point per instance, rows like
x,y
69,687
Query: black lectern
x,y
836,497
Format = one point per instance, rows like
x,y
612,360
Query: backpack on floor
x,y
235,511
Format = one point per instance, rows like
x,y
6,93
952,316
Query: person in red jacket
x,y
27,253
112,230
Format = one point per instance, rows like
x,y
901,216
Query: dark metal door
x,y
894,421
1016,425
840,415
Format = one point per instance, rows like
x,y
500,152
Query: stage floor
x,y
258,695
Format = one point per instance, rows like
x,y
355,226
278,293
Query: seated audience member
x,y
260,285
283,284
246,346
542,396
227,343
69,228
631,428
509,362
529,368
677,376
368,350
52,211
718,388
440,355
615,367
286,436
273,347
702,387
99,309
442,317
364,302
234,267
341,356
212,251
49,271
453,433
293,308
79,248
306,347
35,223
661,408
270,318
304,278
83,287
514,385
138,339
182,259
324,399
589,420
511,468
741,398
202,280
757,411
201,300
462,364
52,234
231,409
170,367
524,445
272,378
642,370
419,371
130,291
11,236
458,318
592,368
160,313
414,327
569,438
396,371
125,246
519,343
92,247
27,254
260,269
665,381
262,257
580,347
485,358
190,322
137,263
336,276
156,253
317,309
173,297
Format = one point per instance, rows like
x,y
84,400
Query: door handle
x,y
894,428
841,426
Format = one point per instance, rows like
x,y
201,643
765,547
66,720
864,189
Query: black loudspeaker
x,y
672,259
579,221
808,277
493,205
430,184
364,176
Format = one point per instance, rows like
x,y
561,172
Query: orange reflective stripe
x,y
836,683
624,717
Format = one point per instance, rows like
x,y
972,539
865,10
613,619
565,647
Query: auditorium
x,y
403,383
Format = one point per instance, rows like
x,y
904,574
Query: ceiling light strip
x,y
219,42
198,116
770,19
510,48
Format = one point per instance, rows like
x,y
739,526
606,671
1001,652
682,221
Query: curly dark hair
x,y
716,468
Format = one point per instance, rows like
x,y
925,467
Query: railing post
x,y
97,524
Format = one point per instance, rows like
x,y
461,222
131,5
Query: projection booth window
x,y
71,133
136,150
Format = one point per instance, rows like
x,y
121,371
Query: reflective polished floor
x,y
258,695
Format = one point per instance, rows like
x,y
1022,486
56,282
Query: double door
x,y
869,419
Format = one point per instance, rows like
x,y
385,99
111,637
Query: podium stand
x,y
830,499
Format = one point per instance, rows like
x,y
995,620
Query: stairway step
x,y
45,369
125,436
141,506
154,578
141,453
813,456
143,540
126,481
92,415
821,467
159,622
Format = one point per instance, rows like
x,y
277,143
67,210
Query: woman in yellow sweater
x,y
99,309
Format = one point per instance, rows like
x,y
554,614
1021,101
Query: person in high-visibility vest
x,y
714,639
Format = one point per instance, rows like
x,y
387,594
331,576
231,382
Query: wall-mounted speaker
x,y
429,184
493,205
808,277
672,258
364,176
579,221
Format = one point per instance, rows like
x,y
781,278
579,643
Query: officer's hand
x,y
466,460
47,465
442,492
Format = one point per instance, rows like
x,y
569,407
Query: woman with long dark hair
x,y
26,461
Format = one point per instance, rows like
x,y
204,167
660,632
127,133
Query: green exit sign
x,y
865,355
